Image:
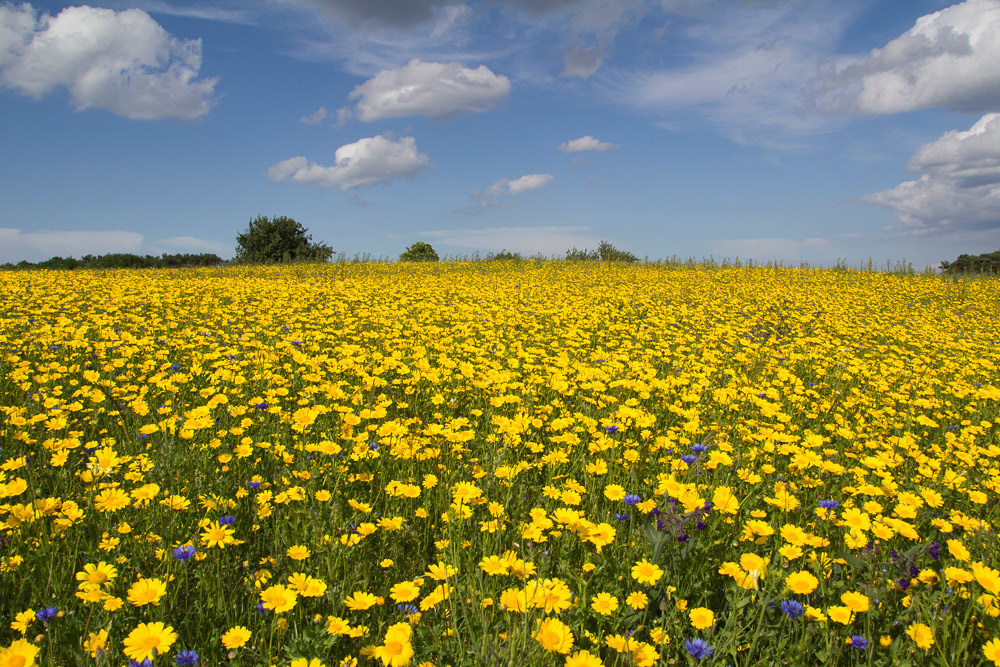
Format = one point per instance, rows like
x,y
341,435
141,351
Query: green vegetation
x,y
605,252
419,252
278,239
122,260
984,263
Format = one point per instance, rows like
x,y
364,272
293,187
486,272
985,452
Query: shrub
x,y
419,252
605,252
279,239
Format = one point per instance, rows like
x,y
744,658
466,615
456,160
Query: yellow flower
x,y
97,574
604,603
991,650
701,618
801,582
958,550
236,637
554,636
396,649
842,615
22,620
217,535
298,552
146,591
646,573
921,634
148,640
855,601
360,601
21,653
279,599
614,492
637,600
306,662
583,659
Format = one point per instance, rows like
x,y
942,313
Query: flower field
x,y
533,463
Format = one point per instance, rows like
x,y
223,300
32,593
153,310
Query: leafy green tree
x,y
419,252
605,252
278,239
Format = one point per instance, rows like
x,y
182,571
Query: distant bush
x,y
605,253
985,263
504,256
121,260
279,239
419,252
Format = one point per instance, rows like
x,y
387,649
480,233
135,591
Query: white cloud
x,y
316,117
365,162
547,240
435,90
959,187
947,59
526,183
774,249
124,62
586,143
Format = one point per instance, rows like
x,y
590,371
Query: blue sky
x,y
810,130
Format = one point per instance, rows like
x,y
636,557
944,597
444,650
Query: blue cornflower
x,y
611,430
263,405
373,446
146,662
184,553
698,648
689,458
632,499
227,520
187,657
903,584
622,517
253,485
828,504
698,448
859,642
407,608
44,615
261,609
935,551
793,608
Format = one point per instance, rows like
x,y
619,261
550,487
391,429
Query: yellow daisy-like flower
x,y
842,615
604,603
18,654
97,574
701,618
298,552
637,600
396,649
583,659
991,650
921,634
555,636
360,601
855,601
646,573
236,637
146,591
148,640
404,591
801,582
279,599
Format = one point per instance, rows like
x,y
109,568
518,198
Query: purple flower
x,y
621,517
187,657
698,648
903,584
632,499
253,485
227,520
46,614
859,642
793,608
611,430
699,448
184,553
689,458
828,504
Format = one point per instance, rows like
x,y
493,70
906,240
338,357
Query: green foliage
x,y
122,260
419,252
984,263
278,239
504,256
605,252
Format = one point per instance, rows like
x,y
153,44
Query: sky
x,y
817,131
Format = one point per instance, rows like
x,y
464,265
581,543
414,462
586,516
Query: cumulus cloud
x,y
959,186
526,183
586,143
435,90
124,62
947,59
547,240
366,162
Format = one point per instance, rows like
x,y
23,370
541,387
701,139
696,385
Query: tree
x,y
278,239
419,252
605,252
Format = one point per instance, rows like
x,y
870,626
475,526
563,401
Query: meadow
x,y
488,463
